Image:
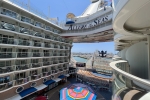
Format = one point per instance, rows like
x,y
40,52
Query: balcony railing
x,y
55,46
7,41
22,67
46,74
20,81
124,79
60,69
60,61
35,65
7,55
23,42
54,71
12,27
22,54
37,44
46,54
47,63
7,85
34,77
37,54
55,62
6,69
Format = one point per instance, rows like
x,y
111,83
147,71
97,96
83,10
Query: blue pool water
x,y
100,75
78,59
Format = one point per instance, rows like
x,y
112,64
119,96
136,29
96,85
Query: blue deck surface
x,y
27,91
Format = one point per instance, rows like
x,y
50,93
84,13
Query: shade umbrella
x,y
41,98
76,93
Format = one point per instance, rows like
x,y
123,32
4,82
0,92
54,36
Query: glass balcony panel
x,y
37,44
47,45
22,80
7,40
34,77
55,46
8,26
46,54
6,69
22,54
26,19
35,65
9,13
22,67
38,24
36,54
47,63
24,42
7,55
55,62
25,31
47,36
38,34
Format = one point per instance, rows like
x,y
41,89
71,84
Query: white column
x,y
148,46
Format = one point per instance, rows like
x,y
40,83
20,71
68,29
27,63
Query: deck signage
x,y
91,24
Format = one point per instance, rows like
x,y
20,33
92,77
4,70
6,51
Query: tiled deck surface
x,y
54,93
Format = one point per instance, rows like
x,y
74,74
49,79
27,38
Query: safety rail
x,y
121,69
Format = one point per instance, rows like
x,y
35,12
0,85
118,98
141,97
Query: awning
x,y
40,87
49,82
57,79
16,97
27,91
61,76
67,75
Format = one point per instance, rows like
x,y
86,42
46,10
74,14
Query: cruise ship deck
x,y
36,59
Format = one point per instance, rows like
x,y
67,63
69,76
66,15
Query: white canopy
x,y
57,79
40,87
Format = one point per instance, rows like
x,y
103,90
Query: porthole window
x,y
19,89
44,80
33,84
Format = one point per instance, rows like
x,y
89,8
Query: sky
x,y
59,9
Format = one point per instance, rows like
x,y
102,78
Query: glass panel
x,y
8,26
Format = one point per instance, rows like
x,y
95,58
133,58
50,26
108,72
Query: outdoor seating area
x,y
96,82
77,92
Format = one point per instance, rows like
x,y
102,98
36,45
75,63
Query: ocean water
x,y
78,59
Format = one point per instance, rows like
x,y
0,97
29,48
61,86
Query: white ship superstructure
x,y
31,50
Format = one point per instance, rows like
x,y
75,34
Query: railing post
x,y
148,40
